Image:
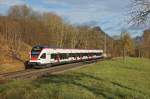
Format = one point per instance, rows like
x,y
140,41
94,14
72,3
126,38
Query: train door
x,y
44,58
55,58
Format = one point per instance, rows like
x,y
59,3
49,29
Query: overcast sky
x,y
110,15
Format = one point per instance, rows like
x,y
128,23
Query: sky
x,y
111,15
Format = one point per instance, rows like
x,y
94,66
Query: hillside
x,y
10,59
111,79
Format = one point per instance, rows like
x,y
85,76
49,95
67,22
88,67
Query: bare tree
x,y
19,11
140,13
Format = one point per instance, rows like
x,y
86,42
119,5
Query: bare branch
x,y
140,13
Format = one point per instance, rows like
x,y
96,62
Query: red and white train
x,y
46,56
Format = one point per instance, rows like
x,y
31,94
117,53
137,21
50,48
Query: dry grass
x,y
8,63
12,67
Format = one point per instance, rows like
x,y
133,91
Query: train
x,y
45,56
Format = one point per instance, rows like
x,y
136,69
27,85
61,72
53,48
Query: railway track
x,y
35,73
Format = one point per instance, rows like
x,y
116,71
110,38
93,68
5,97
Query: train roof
x,y
54,47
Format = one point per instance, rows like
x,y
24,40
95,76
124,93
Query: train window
x,y
43,56
95,54
84,54
34,55
53,56
61,55
72,54
68,55
75,54
64,56
98,54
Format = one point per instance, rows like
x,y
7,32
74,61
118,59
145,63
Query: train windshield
x,y
36,51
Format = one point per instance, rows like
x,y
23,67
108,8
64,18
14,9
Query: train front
x,y
37,55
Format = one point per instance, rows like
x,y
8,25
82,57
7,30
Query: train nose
x,y
33,58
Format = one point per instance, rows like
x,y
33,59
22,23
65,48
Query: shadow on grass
x,y
115,83
77,78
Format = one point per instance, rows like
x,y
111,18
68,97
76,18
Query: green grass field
x,y
111,79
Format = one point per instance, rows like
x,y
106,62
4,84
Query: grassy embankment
x,y
107,79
